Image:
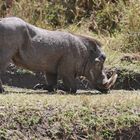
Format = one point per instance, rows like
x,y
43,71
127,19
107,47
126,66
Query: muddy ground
x,y
127,80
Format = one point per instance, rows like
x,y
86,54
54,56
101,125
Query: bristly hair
x,y
90,39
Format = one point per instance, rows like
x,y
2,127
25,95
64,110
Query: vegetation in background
x,y
119,18
131,27
116,23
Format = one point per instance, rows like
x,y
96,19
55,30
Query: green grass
x,y
37,115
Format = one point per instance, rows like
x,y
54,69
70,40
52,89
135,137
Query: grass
x,y
114,57
29,114
26,114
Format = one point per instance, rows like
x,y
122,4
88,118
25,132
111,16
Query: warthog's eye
x,y
101,58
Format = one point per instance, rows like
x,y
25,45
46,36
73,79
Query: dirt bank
x,y
127,80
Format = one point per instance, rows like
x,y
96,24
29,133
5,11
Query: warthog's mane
x,y
89,39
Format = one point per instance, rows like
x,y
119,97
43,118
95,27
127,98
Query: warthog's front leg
x,y
51,81
69,84
1,72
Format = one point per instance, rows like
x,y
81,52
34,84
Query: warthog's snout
x,y
107,83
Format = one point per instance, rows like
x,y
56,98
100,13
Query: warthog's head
x,y
95,69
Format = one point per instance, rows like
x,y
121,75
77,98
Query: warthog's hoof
x,y
103,90
65,89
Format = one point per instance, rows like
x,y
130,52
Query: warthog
x,y
53,52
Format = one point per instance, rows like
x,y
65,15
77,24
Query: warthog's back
x,y
39,49
11,32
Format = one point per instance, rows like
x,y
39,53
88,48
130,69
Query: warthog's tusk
x,y
111,81
97,59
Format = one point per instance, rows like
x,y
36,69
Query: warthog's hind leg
x,y
1,88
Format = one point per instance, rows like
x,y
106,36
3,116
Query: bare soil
x,y
131,133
